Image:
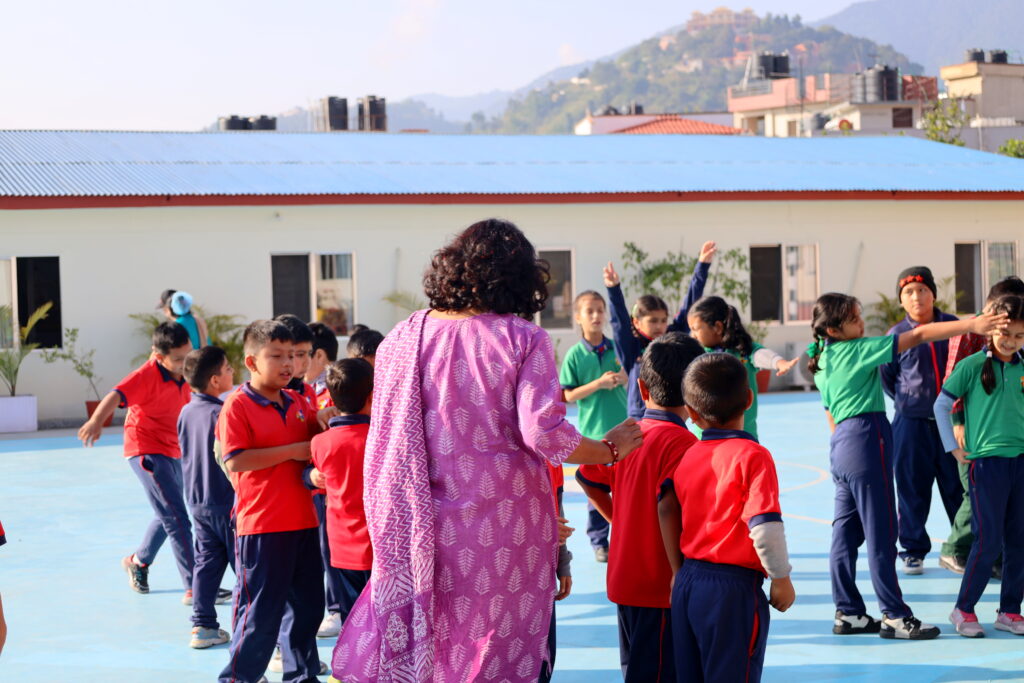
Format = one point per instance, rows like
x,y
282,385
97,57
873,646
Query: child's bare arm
x,y
262,458
831,421
982,324
90,432
670,520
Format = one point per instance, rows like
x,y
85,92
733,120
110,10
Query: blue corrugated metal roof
x,y
98,163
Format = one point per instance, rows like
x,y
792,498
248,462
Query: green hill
x,y
680,72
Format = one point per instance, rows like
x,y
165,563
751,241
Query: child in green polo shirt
x,y
717,327
991,382
846,363
592,377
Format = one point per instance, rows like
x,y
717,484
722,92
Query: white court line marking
x,y
823,475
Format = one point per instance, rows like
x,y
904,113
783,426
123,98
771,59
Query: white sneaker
x,y
276,666
907,628
913,566
203,638
330,627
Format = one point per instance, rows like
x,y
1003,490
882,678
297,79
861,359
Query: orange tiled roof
x,y
677,125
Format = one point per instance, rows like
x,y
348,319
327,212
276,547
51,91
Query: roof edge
x,y
105,202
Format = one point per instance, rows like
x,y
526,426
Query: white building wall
x,y
116,261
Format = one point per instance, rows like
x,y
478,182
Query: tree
x,y
943,121
1012,148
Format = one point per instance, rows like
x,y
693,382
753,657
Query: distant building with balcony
x,y
635,121
991,93
721,16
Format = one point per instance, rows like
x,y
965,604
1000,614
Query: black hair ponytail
x,y
646,305
830,310
1013,306
713,309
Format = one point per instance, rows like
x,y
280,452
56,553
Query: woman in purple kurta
x,y
467,411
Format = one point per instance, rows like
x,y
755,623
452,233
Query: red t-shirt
x,y
638,570
275,498
3,538
726,485
323,399
154,397
338,453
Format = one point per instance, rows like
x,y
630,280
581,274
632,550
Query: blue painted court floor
x,y
71,514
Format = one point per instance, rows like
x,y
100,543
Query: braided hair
x,y
1013,306
830,310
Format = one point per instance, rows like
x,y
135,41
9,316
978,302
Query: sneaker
x,y
138,576
1009,622
223,596
953,563
907,628
851,624
913,566
330,627
276,666
187,598
601,553
203,637
967,624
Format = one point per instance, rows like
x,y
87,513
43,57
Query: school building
x,y
326,225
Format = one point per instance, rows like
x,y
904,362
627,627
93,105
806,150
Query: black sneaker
x,y
907,628
138,577
223,596
852,624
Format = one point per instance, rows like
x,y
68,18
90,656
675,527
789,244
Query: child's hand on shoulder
x,y
784,366
782,595
611,278
324,415
961,455
707,252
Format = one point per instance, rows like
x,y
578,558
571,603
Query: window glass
x,y
558,314
766,283
38,282
801,281
967,277
1002,261
289,275
335,292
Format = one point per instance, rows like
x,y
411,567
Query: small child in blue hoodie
x,y
208,492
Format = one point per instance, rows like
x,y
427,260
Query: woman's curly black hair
x,y
490,266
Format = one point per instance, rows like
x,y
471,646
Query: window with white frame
x,y
558,314
783,282
978,266
317,287
26,283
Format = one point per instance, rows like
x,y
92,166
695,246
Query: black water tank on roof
x,y
263,122
998,56
781,67
974,55
890,84
233,122
337,113
766,64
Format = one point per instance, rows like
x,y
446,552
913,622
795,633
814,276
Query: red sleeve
x,y
672,456
233,427
316,452
598,476
135,388
762,486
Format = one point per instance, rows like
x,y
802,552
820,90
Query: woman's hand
x,y
564,530
626,436
611,278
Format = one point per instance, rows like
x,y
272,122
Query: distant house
x,y
695,123
325,225
672,124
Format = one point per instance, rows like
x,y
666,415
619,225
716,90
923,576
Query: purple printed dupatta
x,y
388,637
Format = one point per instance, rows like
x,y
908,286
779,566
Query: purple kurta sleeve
x,y
541,409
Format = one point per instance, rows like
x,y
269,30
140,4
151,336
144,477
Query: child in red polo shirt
x,y
338,457
154,395
721,509
263,435
638,571
325,352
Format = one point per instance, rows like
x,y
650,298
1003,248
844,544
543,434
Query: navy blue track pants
x,y
161,479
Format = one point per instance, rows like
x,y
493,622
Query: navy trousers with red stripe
x,y
719,623
861,460
645,644
278,573
161,479
920,460
997,520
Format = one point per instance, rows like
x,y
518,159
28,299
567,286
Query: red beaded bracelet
x,y
613,448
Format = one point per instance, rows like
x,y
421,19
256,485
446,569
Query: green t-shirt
x,y
994,422
749,417
848,375
604,408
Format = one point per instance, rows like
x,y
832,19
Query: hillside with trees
x,y
686,72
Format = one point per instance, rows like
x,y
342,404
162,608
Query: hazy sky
x,y
178,65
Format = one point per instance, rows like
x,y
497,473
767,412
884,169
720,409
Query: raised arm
x,y
622,327
982,324
695,291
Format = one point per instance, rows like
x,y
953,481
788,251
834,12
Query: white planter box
x,y
18,414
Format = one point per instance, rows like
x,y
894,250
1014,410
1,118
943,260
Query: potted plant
x,y
18,413
84,365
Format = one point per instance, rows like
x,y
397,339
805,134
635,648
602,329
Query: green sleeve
x,y
875,351
567,377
